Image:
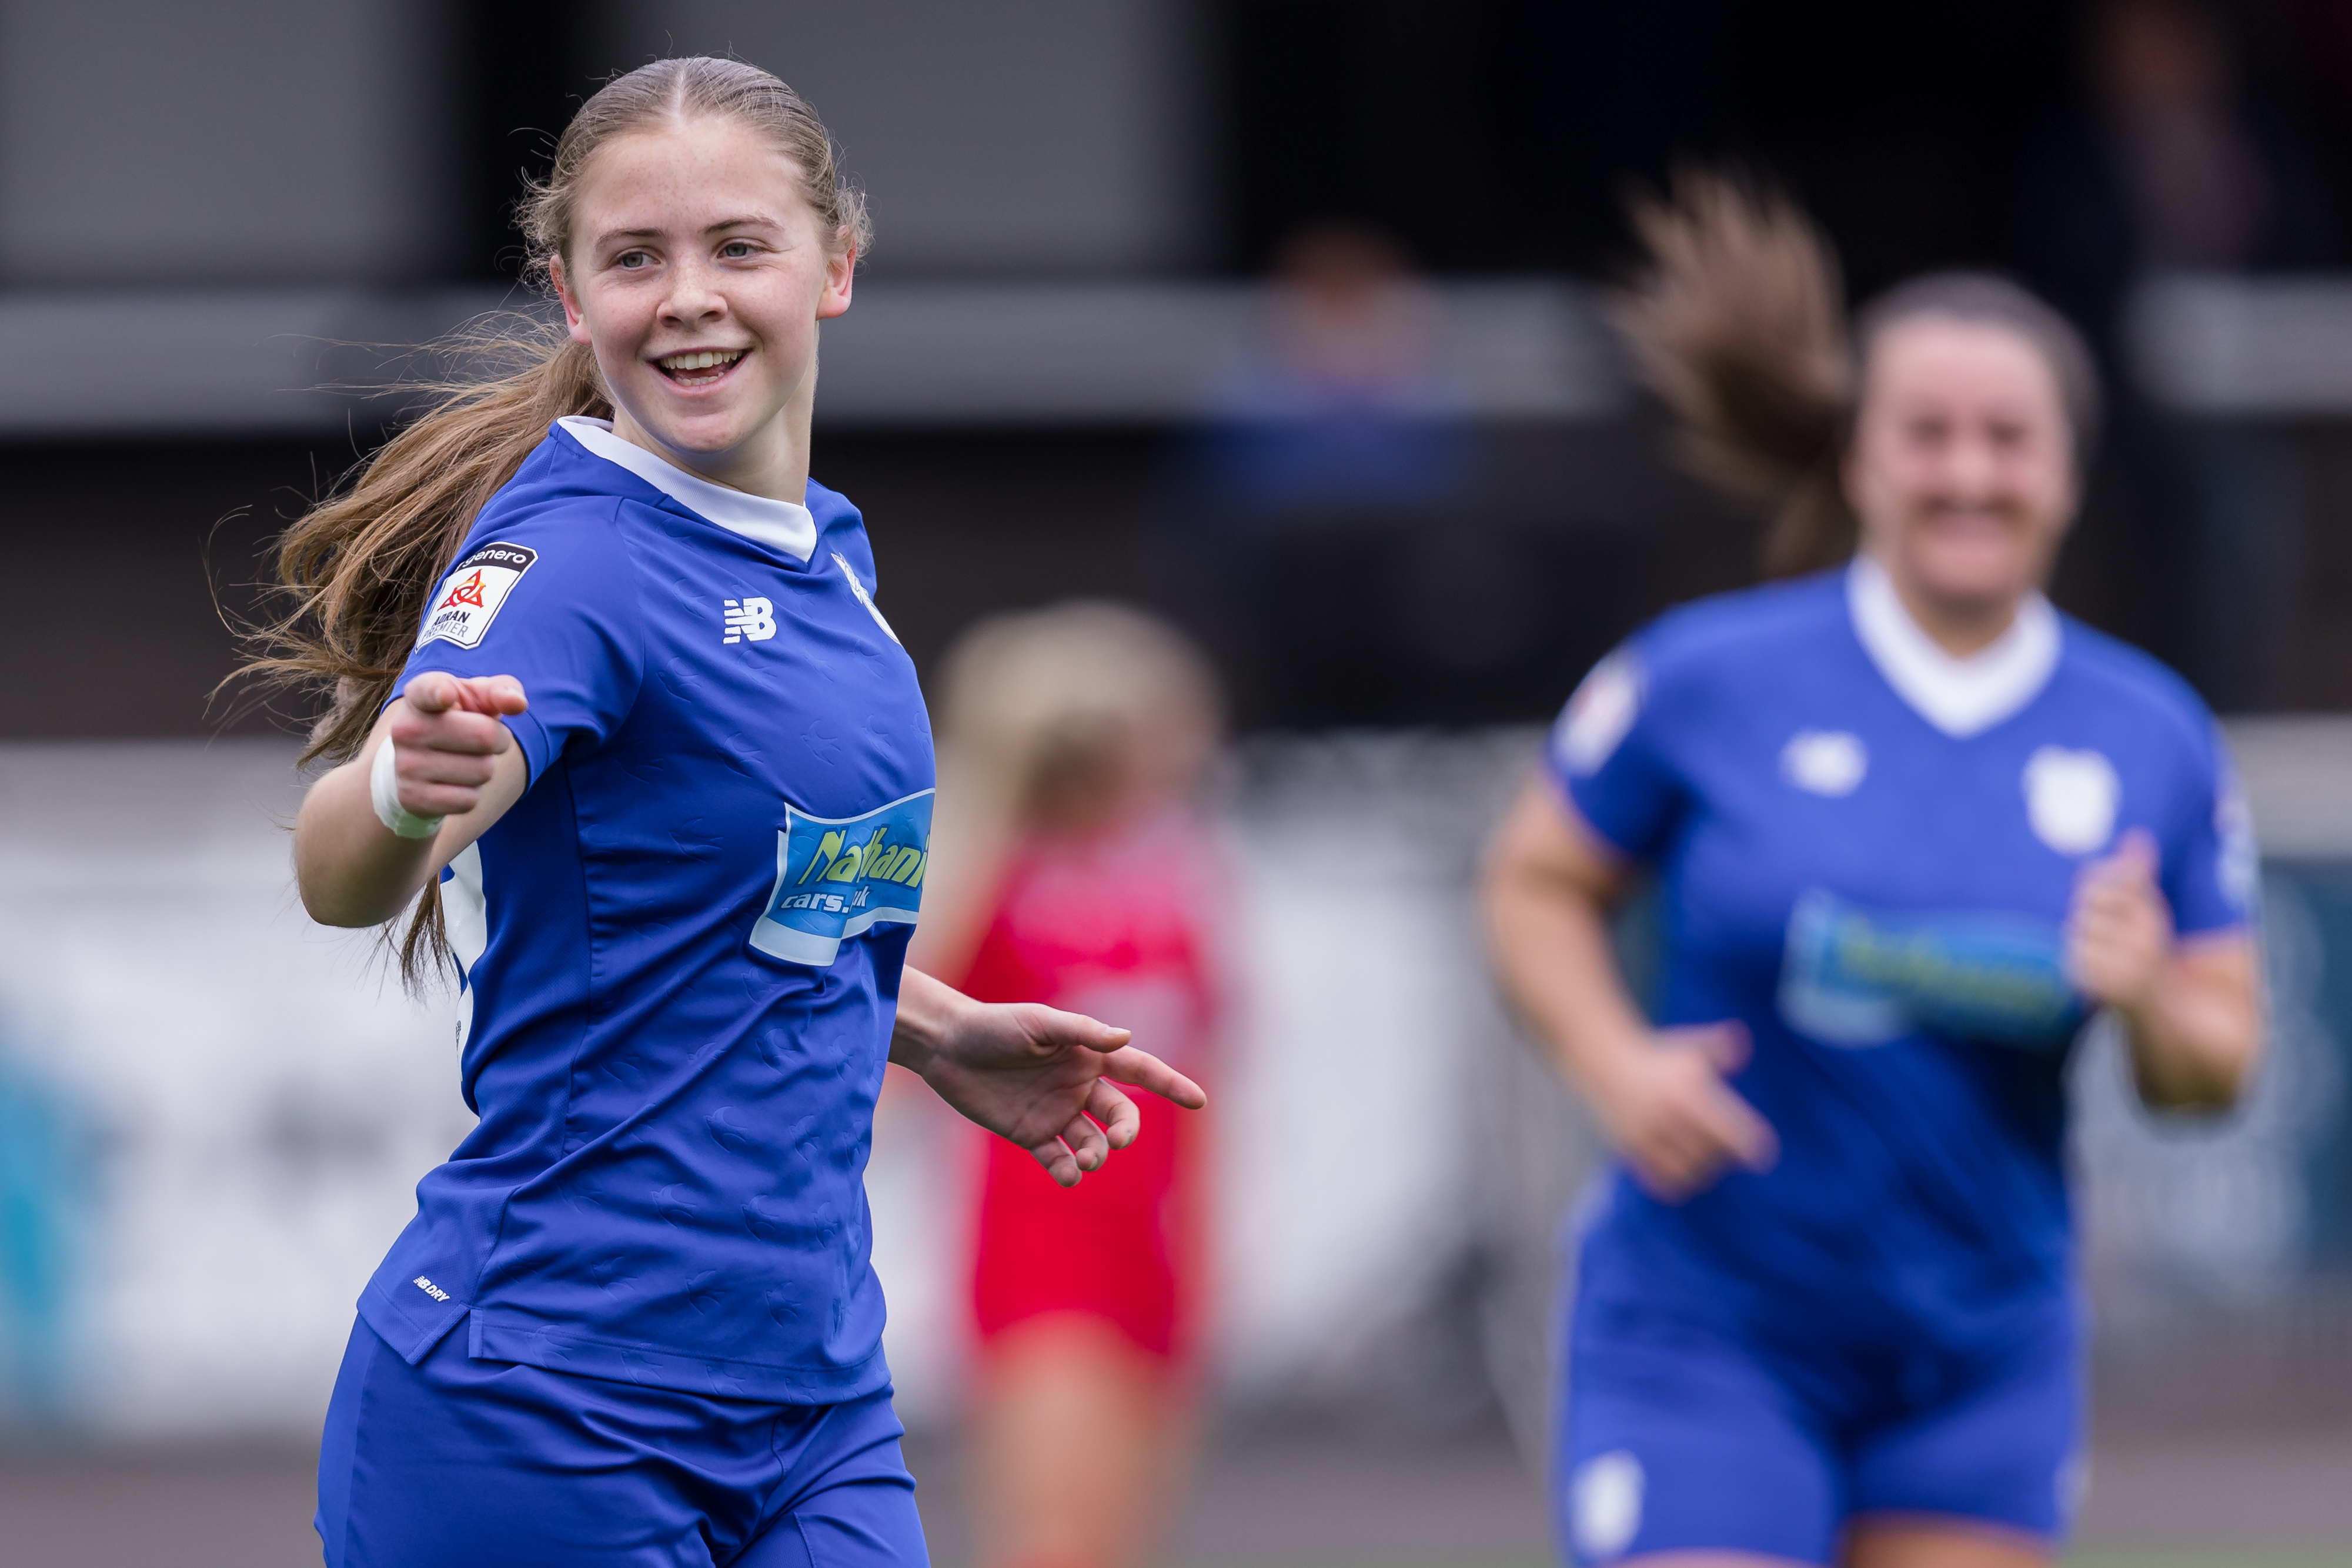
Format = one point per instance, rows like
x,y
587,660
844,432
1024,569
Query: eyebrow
x,y
755,220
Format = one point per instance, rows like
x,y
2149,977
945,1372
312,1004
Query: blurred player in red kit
x,y
1078,737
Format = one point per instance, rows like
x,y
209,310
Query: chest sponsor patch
x,y
1855,977
839,877
470,598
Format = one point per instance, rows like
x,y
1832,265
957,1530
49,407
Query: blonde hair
x,y
1738,322
357,567
1034,705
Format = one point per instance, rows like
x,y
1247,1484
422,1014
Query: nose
x,y
1972,468
695,296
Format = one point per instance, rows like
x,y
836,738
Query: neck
x,y
773,461
1960,630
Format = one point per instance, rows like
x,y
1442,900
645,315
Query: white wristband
x,y
383,789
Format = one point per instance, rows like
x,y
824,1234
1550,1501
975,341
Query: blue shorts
x,y
489,1463
1680,1436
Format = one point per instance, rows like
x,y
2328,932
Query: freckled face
x,y
698,272
1962,467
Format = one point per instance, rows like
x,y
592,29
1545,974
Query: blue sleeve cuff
x,y
539,748
1564,789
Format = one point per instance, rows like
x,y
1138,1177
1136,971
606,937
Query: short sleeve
x,y
550,599
1607,754
2211,865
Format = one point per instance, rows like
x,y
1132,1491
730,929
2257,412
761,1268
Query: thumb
x,y
1055,1028
1093,1033
1724,1046
2136,854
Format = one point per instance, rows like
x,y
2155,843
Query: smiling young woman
x,y
616,711
1912,829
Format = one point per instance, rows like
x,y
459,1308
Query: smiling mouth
x,y
699,367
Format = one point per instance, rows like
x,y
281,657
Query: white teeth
x,y
702,360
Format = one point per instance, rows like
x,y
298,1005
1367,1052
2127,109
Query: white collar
x,y
780,525
1959,696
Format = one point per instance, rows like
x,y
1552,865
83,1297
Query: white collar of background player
x,y
1959,696
779,525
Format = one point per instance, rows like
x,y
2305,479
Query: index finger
x,y
1129,1065
1743,1132
491,694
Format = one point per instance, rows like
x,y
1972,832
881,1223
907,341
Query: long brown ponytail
x,y
355,570
1740,324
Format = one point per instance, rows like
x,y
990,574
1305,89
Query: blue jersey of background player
x,y
1910,829
668,768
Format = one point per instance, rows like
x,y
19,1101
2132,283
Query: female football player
x,y
616,699
1912,829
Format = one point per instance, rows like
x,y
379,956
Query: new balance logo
x,y
754,620
429,1288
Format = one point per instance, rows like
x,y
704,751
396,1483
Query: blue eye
x,y
735,250
634,259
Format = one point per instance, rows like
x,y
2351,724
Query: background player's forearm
x,y
2197,1038
1544,897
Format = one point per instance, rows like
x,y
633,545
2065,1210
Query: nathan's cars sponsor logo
x,y
468,598
839,877
1856,976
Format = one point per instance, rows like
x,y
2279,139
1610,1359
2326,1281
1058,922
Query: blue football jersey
x,y
1866,851
681,947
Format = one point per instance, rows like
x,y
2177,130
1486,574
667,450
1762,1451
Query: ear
x,y
573,320
840,272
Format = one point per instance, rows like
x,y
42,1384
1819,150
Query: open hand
x,y
1668,1113
445,737
1044,1079
2120,930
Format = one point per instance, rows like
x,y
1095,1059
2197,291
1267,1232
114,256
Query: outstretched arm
x,y
452,757
2192,1009
1039,1076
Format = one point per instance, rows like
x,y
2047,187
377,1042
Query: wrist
x,y
383,794
929,1014
1605,1068
2141,1000
2140,1007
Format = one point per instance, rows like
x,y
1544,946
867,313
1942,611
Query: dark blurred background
x,y
1076,363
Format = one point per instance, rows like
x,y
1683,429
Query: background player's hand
x,y
2120,930
1043,1078
1667,1111
446,734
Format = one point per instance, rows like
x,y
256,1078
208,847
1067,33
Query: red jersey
x,y
1116,925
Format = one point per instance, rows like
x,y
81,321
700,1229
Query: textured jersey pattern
x,y
681,952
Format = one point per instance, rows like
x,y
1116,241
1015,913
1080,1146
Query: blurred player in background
x,y
1913,828
619,718
1082,874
